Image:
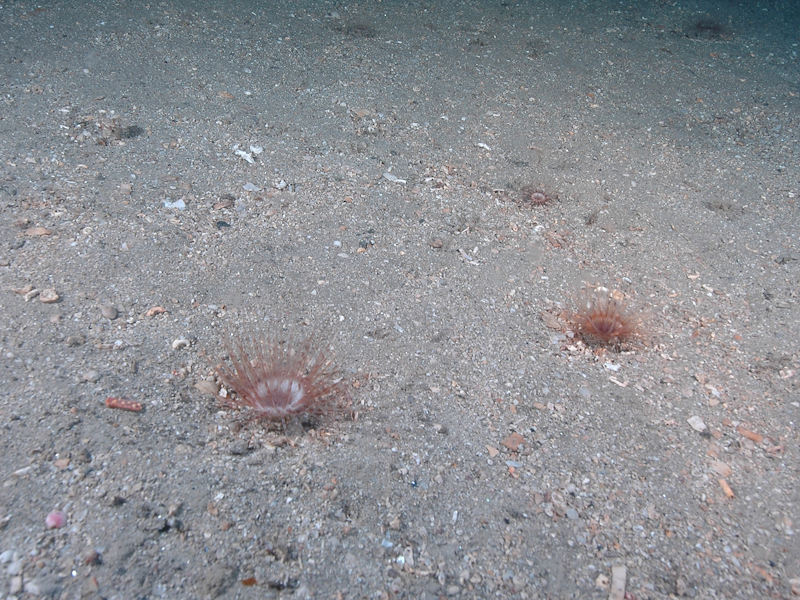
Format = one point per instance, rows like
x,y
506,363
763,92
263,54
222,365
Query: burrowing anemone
x,y
604,318
279,382
534,196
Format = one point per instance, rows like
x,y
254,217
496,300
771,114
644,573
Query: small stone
x,y
559,504
208,387
681,588
437,243
513,441
90,376
42,586
696,423
49,296
721,468
572,514
75,340
14,567
238,448
15,585
109,311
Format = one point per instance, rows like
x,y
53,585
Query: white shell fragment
x,y
389,177
245,155
179,204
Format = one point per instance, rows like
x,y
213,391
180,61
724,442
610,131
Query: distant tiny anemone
x,y
278,382
534,196
604,318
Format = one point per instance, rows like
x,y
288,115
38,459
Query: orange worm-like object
x,y
123,404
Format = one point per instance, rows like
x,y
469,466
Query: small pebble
x,y
42,586
90,376
238,448
14,567
15,586
75,340
696,423
108,311
208,387
56,520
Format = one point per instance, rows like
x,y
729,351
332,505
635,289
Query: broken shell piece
x,y
179,204
48,296
180,344
389,177
37,231
245,155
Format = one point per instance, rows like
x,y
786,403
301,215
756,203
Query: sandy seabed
x,y
177,174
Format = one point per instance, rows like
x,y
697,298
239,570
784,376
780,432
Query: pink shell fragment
x,y
55,520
